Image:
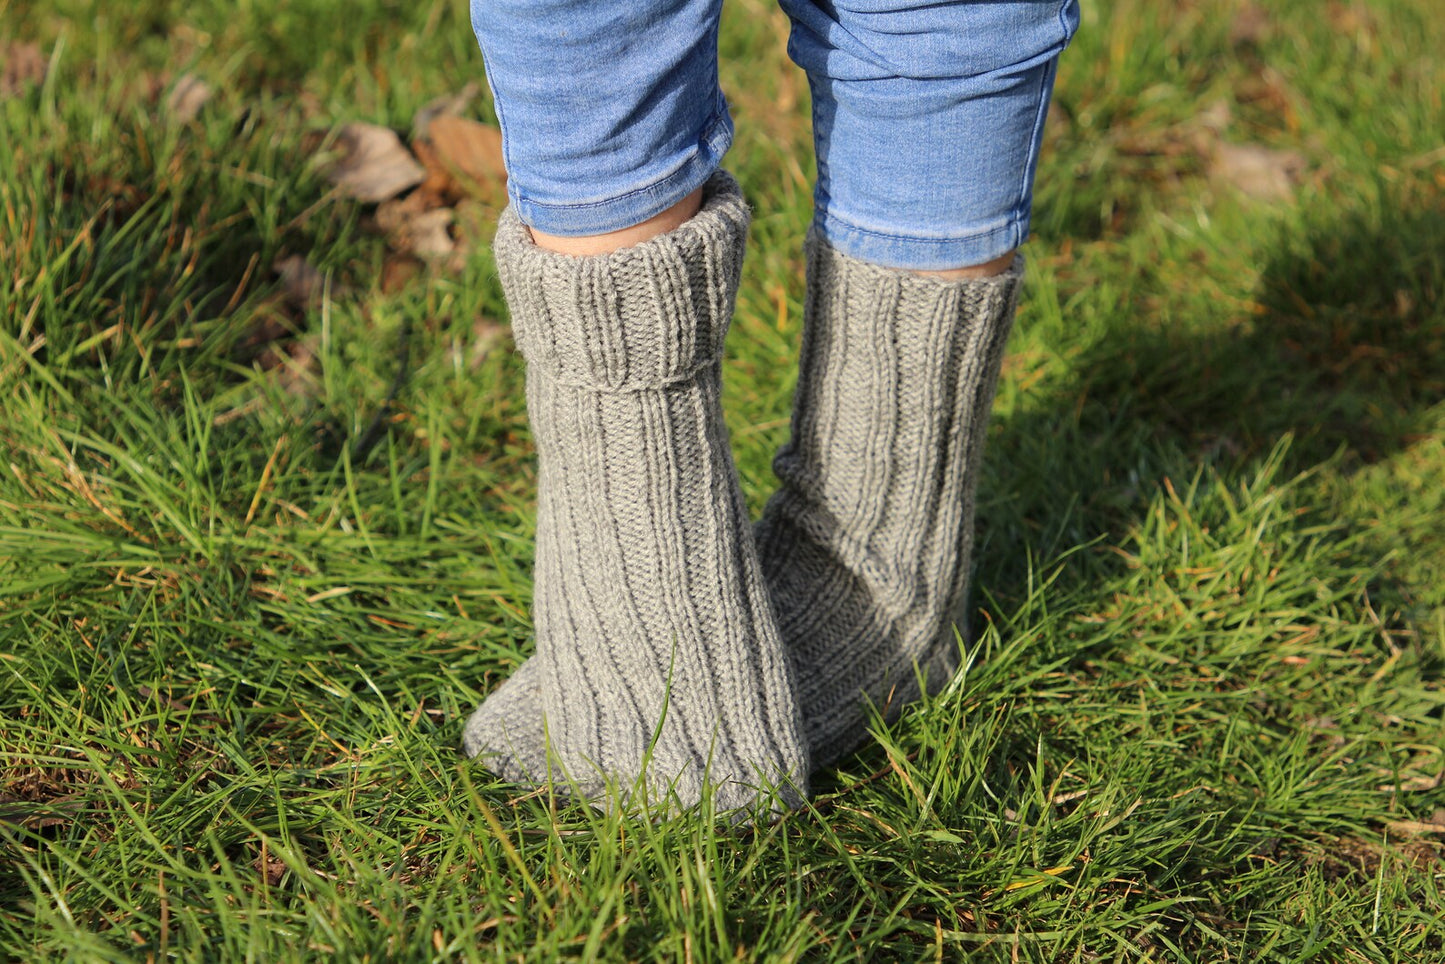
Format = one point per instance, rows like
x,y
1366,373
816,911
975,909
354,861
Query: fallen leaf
x,y
1351,18
439,180
1251,26
187,98
24,65
301,283
1260,172
397,272
1415,828
391,216
271,868
471,153
449,105
374,165
1412,784
428,237
418,224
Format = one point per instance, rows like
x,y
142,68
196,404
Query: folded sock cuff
x,y
639,318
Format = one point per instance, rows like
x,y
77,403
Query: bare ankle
x,y
614,240
986,270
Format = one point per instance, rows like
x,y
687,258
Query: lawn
x,y
267,496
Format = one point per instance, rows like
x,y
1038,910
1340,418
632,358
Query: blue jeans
x,y
927,114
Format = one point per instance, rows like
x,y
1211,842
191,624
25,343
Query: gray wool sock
x,y
648,593
866,546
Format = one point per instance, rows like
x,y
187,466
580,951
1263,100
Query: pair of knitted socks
x,y
681,653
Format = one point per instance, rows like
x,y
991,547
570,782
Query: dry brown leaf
x,y
439,180
1251,25
397,272
1260,172
393,215
1417,828
1412,784
24,65
1351,18
470,152
301,283
428,236
418,224
447,106
374,165
271,868
187,98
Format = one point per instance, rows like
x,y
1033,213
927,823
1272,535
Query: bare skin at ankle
x,y
986,270
614,240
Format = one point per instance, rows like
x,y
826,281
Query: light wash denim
x,y
927,116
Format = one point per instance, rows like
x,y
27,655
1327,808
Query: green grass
x,y
1204,719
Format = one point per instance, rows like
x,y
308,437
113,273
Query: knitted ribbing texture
x,y
866,545
657,649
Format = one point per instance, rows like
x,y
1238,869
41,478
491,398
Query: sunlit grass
x,y
1202,713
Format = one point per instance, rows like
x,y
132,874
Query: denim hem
x,y
637,205
923,254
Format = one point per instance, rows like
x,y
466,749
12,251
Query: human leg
x,y
927,120
657,650
609,241
610,112
866,546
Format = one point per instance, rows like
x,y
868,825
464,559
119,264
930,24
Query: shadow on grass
x,y
1345,353
1347,349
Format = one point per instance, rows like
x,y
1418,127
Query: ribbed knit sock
x,y
866,546
657,650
